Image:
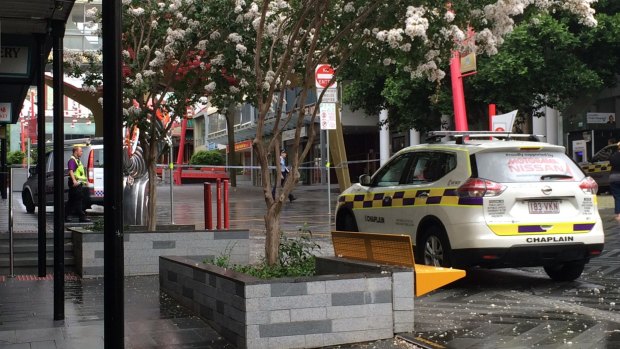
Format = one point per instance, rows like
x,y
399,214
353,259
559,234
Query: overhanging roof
x,y
21,22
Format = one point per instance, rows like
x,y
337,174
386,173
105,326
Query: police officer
x,y
77,186
284,171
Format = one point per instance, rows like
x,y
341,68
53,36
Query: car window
x,y
430,166
605,153
512,167
98,158
50,162
392,173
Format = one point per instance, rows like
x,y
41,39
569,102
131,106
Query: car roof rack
x,y
85,140
460,136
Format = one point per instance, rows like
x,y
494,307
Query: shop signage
x,y
5,113
14,61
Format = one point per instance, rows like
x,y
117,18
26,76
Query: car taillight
x,y
589,186
91,167
477,187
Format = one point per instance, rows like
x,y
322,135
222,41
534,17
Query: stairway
x,y
26,256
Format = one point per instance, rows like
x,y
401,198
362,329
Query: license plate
x,y
544,207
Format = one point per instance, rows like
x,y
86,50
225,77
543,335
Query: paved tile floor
x,y
154,321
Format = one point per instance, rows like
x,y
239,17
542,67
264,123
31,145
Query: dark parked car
x,y
91,158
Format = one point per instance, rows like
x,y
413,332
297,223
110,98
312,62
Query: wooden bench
x,y
392,249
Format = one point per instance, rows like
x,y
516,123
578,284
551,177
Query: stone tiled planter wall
x,y
367,302
142,249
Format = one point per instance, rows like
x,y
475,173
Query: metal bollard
x,y
226,213
219,203
207,206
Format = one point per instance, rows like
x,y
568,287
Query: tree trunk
x,y
152,192
272,236
230,125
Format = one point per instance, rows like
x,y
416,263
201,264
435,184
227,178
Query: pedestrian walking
x,y
77,186
284,172
614,180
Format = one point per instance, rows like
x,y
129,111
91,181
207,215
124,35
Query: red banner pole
x,y
219,203
492,113
458,94
207,206
226,212
181,151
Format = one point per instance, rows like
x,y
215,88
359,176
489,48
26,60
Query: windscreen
x,y
527,166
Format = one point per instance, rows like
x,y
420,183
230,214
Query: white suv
x,y
480,202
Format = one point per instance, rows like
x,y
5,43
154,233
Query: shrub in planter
x,y
207,157
295,258
15,157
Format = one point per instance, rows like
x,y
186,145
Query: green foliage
x,y
15,157
549,60
223,260
295,258
97,225
207,157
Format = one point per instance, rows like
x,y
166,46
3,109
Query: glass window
x,y
98,158
510,167
392,172
430,166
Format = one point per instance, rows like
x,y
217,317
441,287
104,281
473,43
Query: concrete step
x,y
33,261
25,248
29,248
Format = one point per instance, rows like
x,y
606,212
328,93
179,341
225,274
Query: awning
x,y
22,23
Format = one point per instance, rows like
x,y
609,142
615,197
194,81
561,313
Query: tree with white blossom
x,y
232,50
175,54
292,37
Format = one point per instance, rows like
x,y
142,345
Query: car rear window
x,y
515,166
98,158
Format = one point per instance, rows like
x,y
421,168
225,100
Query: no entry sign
x,y
323,75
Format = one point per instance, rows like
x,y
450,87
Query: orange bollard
x,y
226,213
219,204
207,206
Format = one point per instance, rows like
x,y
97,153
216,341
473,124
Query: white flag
x,y
504,122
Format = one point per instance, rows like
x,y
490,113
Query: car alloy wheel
x,y
433,251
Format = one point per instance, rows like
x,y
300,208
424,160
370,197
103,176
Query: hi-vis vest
x,y
79,172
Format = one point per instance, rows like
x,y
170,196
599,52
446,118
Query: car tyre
x,y
346,222
434,248
27,201
568,271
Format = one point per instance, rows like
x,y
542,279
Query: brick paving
x,y
508,308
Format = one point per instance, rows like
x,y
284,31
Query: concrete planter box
x,y
348,302
143,249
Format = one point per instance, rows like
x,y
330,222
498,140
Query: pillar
x,y
414,137
384,138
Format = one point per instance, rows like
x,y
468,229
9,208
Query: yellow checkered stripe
x,y
594,168
541,229
405,198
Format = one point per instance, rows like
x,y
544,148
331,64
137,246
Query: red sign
x,y
323,75
243,145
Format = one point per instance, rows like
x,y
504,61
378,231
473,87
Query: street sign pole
x,y
329,200
324,75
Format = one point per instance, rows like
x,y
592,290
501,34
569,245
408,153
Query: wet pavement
x,y
505,308
523,308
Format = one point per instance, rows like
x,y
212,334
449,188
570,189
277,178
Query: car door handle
x,y
423,194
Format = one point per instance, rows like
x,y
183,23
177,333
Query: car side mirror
x,y
365,180
32,171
